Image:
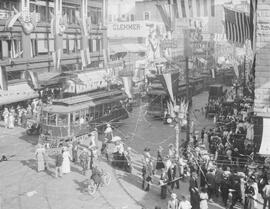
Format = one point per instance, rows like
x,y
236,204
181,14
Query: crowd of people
x,y
220,162
18,116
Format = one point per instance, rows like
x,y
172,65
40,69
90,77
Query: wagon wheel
x,y
107,178
92,187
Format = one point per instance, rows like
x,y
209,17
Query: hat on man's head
x,y
173,195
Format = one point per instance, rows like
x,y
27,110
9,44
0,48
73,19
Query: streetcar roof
x,y
86,97
81,102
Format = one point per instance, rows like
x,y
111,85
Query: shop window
x,y
42,46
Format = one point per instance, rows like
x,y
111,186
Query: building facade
x,y
34,51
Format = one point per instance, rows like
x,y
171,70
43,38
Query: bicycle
x,y
97,180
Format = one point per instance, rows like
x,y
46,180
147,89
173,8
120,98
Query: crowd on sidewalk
x,y
18,116
220,162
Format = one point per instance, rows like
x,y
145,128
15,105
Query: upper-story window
x,y
146,15
96,15
70,11
132,18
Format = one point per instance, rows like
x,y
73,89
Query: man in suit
x,y
173,203
210,178
194,191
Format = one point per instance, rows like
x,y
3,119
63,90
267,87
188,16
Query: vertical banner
x,y
3,78
32,79
262,73
127,81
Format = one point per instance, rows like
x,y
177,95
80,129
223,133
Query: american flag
x,y
193,8
237,26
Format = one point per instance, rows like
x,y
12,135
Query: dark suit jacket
x,y
193,184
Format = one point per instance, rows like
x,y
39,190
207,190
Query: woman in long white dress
x,y
11,120
6,116
66,161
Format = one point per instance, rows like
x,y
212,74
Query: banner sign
x,y
128,29
168,44
262,73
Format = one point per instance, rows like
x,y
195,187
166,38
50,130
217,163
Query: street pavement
x,y
22,187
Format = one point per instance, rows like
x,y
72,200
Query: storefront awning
x,y
128,47
16,93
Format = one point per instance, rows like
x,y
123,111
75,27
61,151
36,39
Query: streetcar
x,y
74,117
158,97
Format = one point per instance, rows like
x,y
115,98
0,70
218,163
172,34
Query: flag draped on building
x,y
194,8
170,83
32,79
167,14
237,26
3,78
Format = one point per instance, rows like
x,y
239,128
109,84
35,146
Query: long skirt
x,y
40,165
249,203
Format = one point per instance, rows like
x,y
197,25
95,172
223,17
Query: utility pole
x,y
188,99
187,53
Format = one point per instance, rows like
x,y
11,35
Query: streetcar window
x,y
98,111
76,117
91,116
45,117
96,115
62,119
107,109
51,118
